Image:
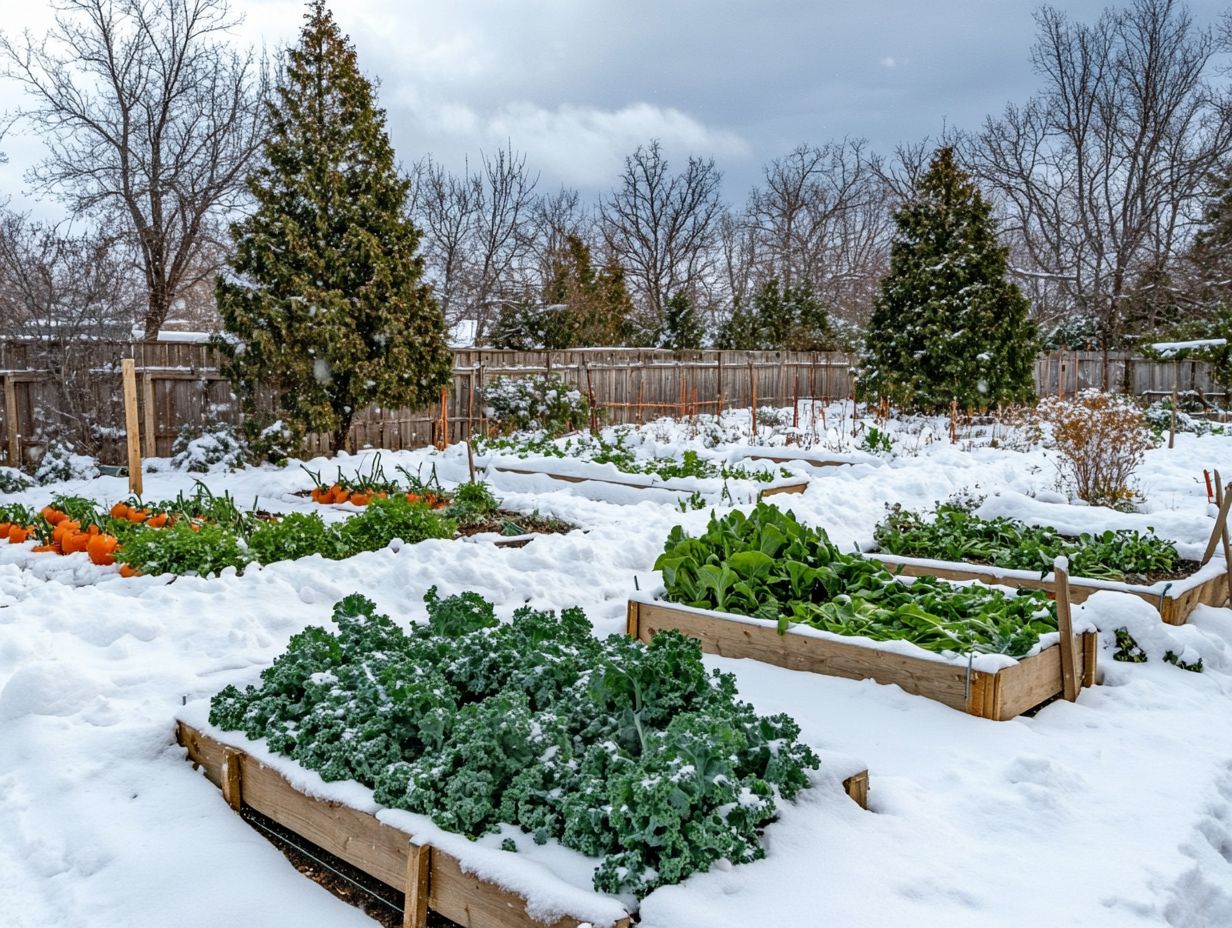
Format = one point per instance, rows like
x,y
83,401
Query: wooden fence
x,y
180,384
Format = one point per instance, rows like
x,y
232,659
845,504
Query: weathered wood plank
x,y
999,696
430,878
1174,607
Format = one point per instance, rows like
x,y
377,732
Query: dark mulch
x,y
374,898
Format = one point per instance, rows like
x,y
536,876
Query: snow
x,y
1167,349
1113,811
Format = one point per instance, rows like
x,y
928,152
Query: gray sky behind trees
x,y
578,84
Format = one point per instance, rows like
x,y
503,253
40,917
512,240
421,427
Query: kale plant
x,y
630,753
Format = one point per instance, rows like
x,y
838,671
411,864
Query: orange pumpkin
x,y
18,534
412,498
65,528
361,499
128,570
119,511
138,515
101,549
43,549
53,516
75,542
158,520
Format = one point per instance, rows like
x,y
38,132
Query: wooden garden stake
x,y
1065,625
1223,532
128,372
1175,400
1220,530
470,458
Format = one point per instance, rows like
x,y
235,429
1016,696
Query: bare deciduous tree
x,y
59,290
150,119
662,228
478,233
1100,175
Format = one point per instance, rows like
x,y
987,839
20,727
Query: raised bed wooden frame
x,y
432,879
796,487
1002,695
1175,601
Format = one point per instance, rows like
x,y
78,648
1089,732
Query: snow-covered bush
x,y
13,481
215,447
274,442
1159,419
61,463
1101,438
538,403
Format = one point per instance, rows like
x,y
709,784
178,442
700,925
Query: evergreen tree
x,y
682,329
1211,255
789,318
326,306
596,302
947,324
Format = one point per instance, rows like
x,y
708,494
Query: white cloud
x,y
888,62
582,146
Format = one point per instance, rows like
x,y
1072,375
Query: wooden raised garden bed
x,y
1002,695
1175,599
806,460
432,879
1209,585
792,486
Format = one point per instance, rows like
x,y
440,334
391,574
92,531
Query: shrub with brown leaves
x,y
1101,438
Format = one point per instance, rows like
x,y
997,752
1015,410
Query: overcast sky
x,y
576,84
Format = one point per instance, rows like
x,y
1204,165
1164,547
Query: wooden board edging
x,y
999,696
1174,606
797,487
430,878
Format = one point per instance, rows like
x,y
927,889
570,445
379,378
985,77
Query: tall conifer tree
x,y
947,323
325,304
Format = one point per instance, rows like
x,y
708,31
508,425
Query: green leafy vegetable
x,y
767,564
630,753
953,533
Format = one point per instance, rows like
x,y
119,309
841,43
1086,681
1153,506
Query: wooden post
x,y
1175,401
418,886
1223,533
232,778
128,371
10,422
719,385
753,399
1221,525
1065,625
641,383
590,393
149,435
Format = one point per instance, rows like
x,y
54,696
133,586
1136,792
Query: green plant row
x,y
767,564
630,753
596,449
206,533
954,533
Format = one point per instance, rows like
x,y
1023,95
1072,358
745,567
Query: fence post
x,y
753,399
149,436
10,422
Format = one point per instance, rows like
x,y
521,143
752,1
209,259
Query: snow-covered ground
x,y
1115,811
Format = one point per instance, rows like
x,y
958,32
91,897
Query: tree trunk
x,y
341,433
